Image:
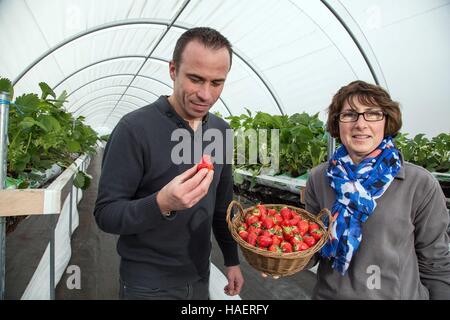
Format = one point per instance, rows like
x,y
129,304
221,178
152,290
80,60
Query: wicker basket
x,y
274,263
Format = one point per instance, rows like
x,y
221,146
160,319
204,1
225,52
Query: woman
x,y
389,217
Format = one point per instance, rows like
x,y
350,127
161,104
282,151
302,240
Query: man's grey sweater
x,y
138,161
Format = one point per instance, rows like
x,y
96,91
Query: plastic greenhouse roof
x,y
112,56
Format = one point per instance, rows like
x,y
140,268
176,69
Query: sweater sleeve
x,y
116,209
432,243
224,195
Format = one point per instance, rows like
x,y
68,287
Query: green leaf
x,y
82,180
294,147
61,99
73,146
79,180
20,163
238,178
77,135
6,86
263,120
46,90
298,119
27,103
29,122
44,164
50,122
87,181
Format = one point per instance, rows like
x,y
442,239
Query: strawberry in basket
x,y
276,239
279,231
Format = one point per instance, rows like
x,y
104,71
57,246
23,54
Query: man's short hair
x,y
209,37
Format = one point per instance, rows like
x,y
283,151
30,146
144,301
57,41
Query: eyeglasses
x,y
352,116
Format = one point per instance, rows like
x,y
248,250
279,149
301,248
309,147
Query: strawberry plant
x,y
302,140
42,133
433,154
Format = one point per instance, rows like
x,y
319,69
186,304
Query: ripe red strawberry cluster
x,y
284,231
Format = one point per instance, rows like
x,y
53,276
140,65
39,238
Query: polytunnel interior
x,y
291,56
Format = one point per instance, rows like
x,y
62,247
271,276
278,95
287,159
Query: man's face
x,y
198,79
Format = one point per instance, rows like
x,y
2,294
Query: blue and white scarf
x,y
356,187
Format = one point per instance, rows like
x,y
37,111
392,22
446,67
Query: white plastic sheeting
x,y
291,55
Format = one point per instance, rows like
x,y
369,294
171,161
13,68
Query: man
x,y
164,211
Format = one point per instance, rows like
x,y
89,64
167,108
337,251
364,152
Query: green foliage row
x,y
432,154
42,133
302,139
303,143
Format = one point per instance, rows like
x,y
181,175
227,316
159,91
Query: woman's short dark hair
x,y
209,37
368,95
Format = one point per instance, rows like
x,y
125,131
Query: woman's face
x,y
361,137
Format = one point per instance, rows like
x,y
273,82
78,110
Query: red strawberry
x,y
287,233
262,209
295,239
251,238
285,223
313,226
295,220
256,212
268,222
279,237
278,230
254,229
251,219
285,213
310,241
276,240
242,226
317,234
257,224
271,212
205,162
295,230
303,227
296,246
303,246
243,234
286,247
300,246
264,241
274,248
278,218
266,233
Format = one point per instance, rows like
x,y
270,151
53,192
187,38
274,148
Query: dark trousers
x,y
198,290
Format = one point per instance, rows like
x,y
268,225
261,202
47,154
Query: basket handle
x,y
230,207
327,212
